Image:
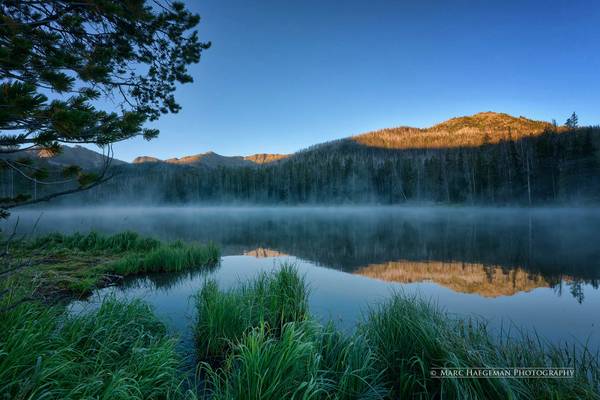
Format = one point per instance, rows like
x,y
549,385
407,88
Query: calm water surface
x,y
533,269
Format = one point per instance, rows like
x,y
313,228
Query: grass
x,y
121,351
410,336
254,341
305,361
76,264
262,367
348,366
94,241
175,257
257,341
270,301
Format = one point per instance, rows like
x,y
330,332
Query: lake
x,y
531,269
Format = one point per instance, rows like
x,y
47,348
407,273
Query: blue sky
x,y
283,75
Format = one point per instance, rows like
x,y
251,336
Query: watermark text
x,y
513,372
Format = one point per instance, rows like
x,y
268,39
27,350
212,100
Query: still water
x,y
535,270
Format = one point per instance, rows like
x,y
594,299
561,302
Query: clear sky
x,y
283,75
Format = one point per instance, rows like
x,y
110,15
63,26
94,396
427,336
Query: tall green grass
x,y
78,263
258,342
410,336
95,241
271,300
174,257
348,366
121,351
261,367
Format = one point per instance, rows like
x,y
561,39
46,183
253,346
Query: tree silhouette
x,y
572,121
57,58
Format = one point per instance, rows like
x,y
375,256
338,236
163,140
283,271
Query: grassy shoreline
x,y
254,341
258,342
120,351
74,265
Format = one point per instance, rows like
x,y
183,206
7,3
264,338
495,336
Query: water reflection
x,y
530,267
484,280
544,247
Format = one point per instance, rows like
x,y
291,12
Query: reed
x,y
257,341
410,336
271,300
260,367
95,241
76,264
175,257
120,351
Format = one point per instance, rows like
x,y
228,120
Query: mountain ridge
x,y
78,155
533,162
212,160
465,131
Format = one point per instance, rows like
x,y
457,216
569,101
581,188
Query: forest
x,y
554,167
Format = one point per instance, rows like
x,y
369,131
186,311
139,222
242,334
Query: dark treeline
x,y
554,167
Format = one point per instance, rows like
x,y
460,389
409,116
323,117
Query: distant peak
x,y
491,114
194,158
265,158
145,159
466,131
490,117
492,123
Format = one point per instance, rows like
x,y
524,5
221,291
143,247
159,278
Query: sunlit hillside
x,y
264,158
213,160
487,158
468,131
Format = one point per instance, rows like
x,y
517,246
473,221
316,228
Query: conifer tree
x,y
58,58
572,121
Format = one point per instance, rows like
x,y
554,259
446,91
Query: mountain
x,y
486,158
91,160
77,155
264,158
468,131
213,160
145,159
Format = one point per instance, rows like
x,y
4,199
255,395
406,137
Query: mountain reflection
x,y
488,251
487,281
264,253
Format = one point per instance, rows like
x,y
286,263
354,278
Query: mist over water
x,y
550,241
537,268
